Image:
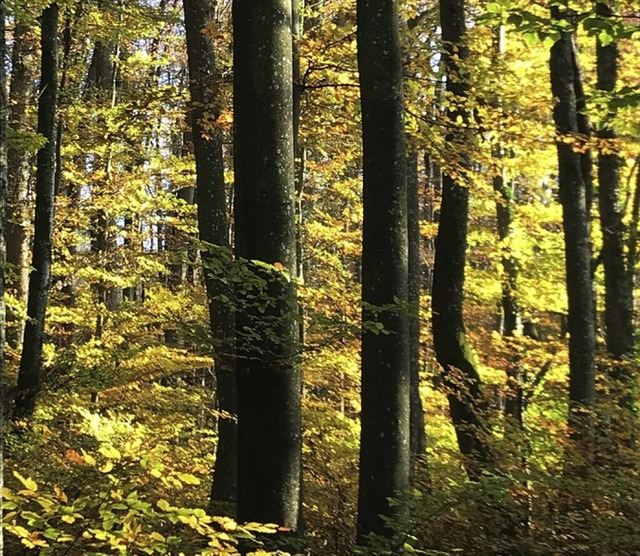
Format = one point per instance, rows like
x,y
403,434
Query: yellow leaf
x,y
110,452
106,468
59,493
18,530
68,519
188,478
88,458
28,483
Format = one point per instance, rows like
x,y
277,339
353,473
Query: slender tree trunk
x,y
268,370
298,149
460,376
418,438
19,165
385,418
4,108
432,197
98,89
618,290
632,241
71,190
30,373
574,200
511,320
213,228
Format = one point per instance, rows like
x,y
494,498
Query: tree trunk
x,y
574,200
433,195
299,150
385,394
213,229
18,167
268,370
4,108
99,89
460,376
30,373
418,438
618,290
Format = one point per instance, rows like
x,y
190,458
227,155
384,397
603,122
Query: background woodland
x,y
195,273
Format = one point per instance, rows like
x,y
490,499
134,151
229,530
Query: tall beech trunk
x,y
575,217
512,321
511,318
267,367
18,168
460,376
30,372
418,439
385,394
432,197
300,155
3,251
99,91
618,289
213,229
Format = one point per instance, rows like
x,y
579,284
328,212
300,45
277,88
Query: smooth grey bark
x,y
268,369
19,165
618,289
575,216
213,228
460,376
385,391
418,439
4,109
30,373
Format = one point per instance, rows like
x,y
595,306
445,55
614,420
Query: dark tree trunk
x,y
575,216
504,209
385,417
433,195
460,376
30,372
268,370
72,191
19,165
632,241
213,229
418,438
511,320
4,108
99,88
299,150
618,290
